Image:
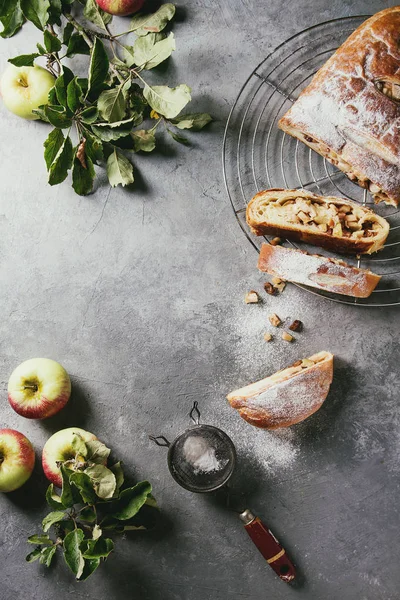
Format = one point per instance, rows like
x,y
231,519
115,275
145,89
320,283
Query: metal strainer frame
x,y
256,154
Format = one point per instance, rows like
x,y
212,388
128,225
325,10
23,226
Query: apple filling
x,y
335,219
389,88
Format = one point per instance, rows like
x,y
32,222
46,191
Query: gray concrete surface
x,y
139,294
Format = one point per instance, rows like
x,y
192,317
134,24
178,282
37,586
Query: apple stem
x,y
31,387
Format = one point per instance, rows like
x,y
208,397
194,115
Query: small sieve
x,y
202,459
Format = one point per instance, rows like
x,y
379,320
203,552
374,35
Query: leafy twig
x,y
108,106
91,493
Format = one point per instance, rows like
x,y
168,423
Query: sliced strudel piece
x,y
316,271
333,223
287,397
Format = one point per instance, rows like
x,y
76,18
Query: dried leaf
x,y
80,153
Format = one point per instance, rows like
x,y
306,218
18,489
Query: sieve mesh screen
x,y
202,459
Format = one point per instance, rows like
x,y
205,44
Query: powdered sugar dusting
x,y
274,450
292,399
201,456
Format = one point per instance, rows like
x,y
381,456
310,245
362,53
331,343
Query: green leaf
x,y
13,19
65,526
119,171
167,101
195,121
82,179
131,500
143,24
97,532
72,554
143,140
103,479
51,42
78,446
178,138
89,115
61,85
97,16
151,501
32,556
51,518
57,173
98,68
24,60
57,116
94,147
152,49
85,487
74,95
77,45
40,539
119,475
53,499
112,103
128,53
41,50
67,497
99,548
36,11
52,145
108,134
68,31
87,514
46,555
55,12
97,452
91,565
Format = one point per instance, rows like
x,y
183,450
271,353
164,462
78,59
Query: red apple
x,y
17,459
38,388
59,448
120,7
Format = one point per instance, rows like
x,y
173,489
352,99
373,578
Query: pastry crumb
x,y
276,241
268,337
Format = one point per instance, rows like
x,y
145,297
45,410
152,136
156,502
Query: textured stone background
x,y
139,294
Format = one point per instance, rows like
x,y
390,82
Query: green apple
x,y
59,448
25,88
38,388
17,459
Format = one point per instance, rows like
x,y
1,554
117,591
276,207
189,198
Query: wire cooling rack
x,y
257,155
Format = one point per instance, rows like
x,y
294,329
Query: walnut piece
x,y
287,337
267,337
269,288
295,325
274,320
252,297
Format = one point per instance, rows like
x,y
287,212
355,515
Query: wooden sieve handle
x,y
269,546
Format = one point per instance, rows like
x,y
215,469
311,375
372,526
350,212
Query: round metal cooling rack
x,y
257,155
